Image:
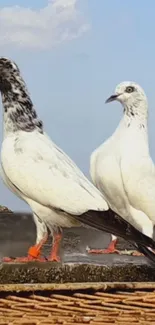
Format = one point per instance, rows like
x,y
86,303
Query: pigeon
x,y
42,175
122,169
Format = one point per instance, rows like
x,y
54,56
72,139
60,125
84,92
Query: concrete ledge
x,y
74,273
17,234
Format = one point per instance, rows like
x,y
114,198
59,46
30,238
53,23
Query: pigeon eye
x,y
129,89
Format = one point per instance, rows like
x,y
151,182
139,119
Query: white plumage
x,y
122,168
41,174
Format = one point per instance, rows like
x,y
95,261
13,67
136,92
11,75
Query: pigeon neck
x,y
132,132
19,113
136,114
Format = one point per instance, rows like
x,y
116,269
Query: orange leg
x,y
55,248
33,253
109,250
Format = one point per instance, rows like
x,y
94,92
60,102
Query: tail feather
x,y
112,223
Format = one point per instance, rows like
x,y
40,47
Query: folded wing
x,y
53,179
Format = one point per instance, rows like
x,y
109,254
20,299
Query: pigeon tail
x,y
112,223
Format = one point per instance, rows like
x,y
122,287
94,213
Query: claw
x,y
34,253
109,250
54,258
23,259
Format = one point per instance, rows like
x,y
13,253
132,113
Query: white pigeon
x,y
122,169
40,173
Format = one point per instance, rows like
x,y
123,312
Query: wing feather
x,y
42,172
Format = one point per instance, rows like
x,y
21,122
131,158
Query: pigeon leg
x,y
33,253
109,250
55,248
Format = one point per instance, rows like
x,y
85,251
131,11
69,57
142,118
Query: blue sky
x,y
72,54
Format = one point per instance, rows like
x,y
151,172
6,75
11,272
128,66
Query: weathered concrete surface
x,y
17,233
74,272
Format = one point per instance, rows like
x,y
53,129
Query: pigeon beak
x,y
111,99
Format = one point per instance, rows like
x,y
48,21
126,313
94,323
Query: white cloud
x,y
43,28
